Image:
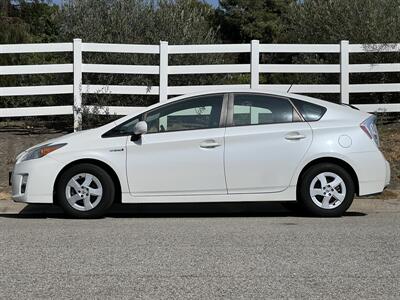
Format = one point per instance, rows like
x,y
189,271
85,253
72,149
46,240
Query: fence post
x,y
255,61
344,72
77,84
163,92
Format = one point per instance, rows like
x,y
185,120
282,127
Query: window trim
x,y
229,122
222,117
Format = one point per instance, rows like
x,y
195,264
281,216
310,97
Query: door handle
x,y
294,136
209,144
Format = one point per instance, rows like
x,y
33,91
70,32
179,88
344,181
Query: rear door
x,y
265,140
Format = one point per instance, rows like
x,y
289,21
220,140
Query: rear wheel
x,y
326,190
85,191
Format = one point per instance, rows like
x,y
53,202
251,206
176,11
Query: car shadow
x,y
176,210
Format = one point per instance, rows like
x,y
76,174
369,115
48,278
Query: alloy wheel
x,y
327,190
84,191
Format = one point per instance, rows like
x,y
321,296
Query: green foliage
x,y
13,28
29,22
329,21
137,21
245,20
140,22
42,19
359,21
194,22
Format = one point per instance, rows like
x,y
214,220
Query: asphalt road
x,y
236,252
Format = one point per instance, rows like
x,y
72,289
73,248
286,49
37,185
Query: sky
x,y
213,2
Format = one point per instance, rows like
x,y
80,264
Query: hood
x,y
69,137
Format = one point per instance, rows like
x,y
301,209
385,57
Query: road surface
x,y
202,252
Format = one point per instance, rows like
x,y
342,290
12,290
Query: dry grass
x,y
5,196
390,146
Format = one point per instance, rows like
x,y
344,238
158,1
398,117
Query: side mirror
x,y
139,129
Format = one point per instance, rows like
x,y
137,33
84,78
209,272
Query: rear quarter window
x,y
309,111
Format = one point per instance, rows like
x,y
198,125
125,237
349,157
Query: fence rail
x,y
163,70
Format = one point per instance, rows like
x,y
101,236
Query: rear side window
x,y
253,109
309,111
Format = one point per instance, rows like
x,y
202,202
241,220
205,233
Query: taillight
x,y
369,127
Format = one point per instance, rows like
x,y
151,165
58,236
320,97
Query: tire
x,y
326,198
85,191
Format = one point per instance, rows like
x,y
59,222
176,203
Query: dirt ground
x,y
14,140
390,146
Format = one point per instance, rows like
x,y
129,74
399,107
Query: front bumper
x,y
33,181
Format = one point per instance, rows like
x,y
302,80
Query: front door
x,y
183,151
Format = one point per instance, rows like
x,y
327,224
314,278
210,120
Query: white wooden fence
x,y
77,87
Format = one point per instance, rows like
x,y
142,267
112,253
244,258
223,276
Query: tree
x,y
329,21
359,21
42,19
28,22
140,22
243,20
13,28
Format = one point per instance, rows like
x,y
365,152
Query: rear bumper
x,y
388,173
33,181
373,172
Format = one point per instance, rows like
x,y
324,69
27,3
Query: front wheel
x,y
85,191
326,190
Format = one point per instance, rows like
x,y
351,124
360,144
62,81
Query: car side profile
x,y
224,146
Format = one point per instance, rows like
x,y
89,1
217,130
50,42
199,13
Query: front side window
x,y
123,129
195,113
253,109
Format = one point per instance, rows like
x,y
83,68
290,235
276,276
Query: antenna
x,y
289,88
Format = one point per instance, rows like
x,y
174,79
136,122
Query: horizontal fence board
x,y
209,69
375,88
114,110
120,48
180,90
296,88
35,48
297,68
303,88
300,48
388,107
36,69
36,90
120,89
372,48
120,69
192,69
373,68
212,48
35,111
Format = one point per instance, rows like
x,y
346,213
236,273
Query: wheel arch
x,y
334,160
99,163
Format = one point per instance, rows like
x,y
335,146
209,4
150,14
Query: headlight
x,y
40,151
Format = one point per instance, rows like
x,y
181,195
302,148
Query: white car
x,y
223,146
